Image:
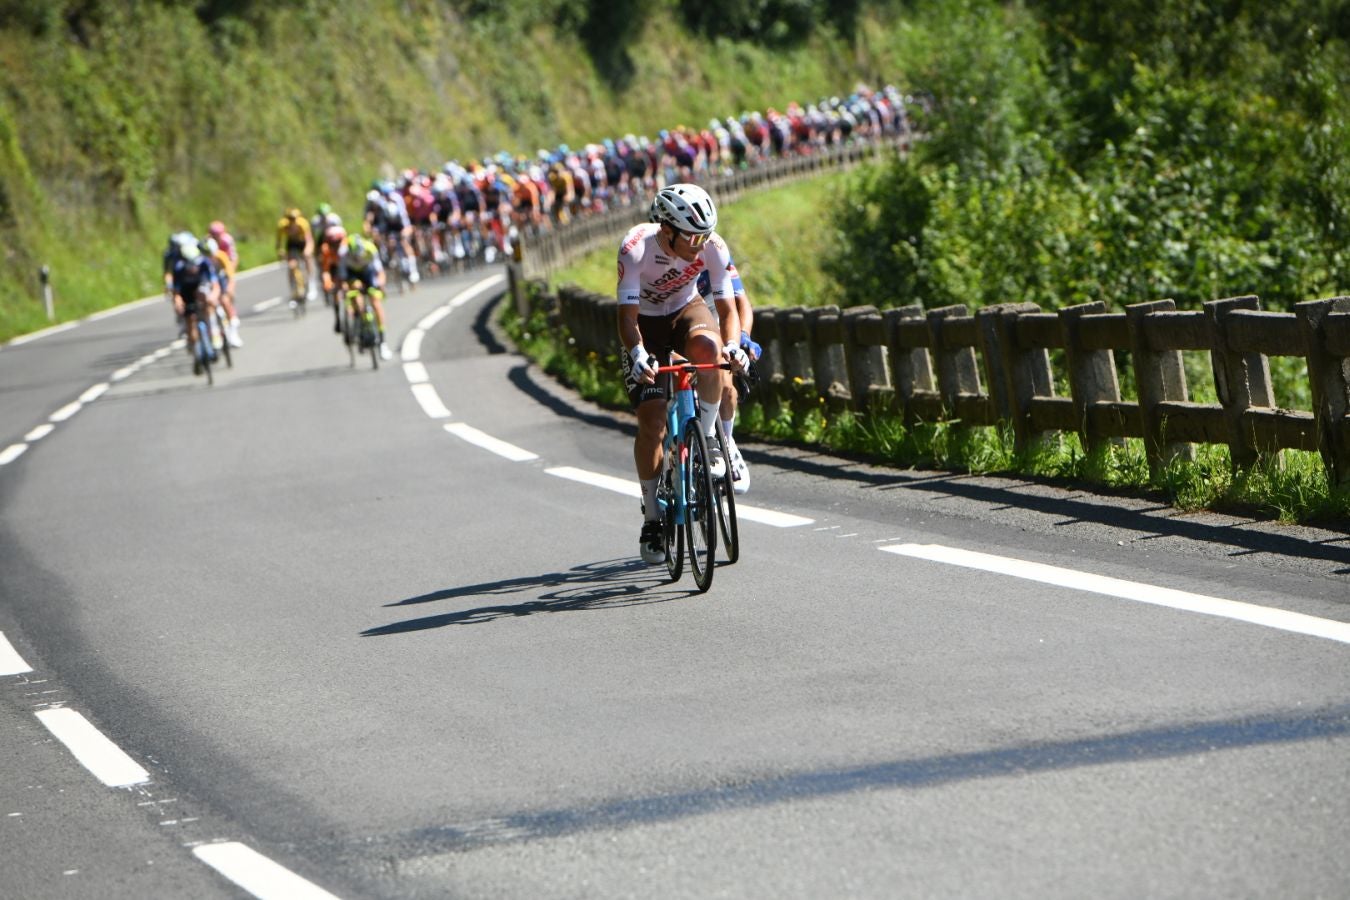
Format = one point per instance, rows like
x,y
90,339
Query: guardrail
x,y
993,367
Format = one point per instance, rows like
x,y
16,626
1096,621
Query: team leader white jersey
x,y
661,283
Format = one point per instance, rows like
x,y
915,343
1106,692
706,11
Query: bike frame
x,y
681,406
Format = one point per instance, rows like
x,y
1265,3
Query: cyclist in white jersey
x,y
660,310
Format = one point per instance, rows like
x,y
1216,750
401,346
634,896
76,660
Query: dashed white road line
x,y
486,284
66,411
265,305
257,874
39,432
629,487
430,320
415,372
1283,620
488,442
430,401
94,392
412,345
94,751
11,663
11,453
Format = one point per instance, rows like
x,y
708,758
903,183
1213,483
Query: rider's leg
x,y
701,348
651,416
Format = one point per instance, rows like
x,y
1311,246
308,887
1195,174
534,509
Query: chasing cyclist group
x,y
678,288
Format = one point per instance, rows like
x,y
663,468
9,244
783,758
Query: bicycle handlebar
x,y
691,367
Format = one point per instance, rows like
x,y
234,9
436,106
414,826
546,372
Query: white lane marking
x,y
66,411
265,305
415,372
1130,590
630,487
431,320
94,751
39,432
488,442
11,453
35,335
412,345
118,310
430,401
770,517
626,486
94,392
124,373
257,874
484,285
11,663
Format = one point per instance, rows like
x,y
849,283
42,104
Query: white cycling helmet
x,y
685,207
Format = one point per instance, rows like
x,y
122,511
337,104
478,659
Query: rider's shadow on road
x,y
610,584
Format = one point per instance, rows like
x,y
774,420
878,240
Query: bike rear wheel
x,y
700,506
726,506
221,326
373,334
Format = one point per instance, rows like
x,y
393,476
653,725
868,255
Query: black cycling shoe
x,y
652,543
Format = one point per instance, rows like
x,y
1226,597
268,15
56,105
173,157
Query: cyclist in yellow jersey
x,y
295,244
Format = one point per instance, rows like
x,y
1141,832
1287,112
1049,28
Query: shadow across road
x,y
1163,742
610,584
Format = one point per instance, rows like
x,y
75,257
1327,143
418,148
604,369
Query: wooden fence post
x,y
958,369
1242,380
1015,374
799,378
1092,371
1160,378
865,353
769,366
911,367
1329,373
827,356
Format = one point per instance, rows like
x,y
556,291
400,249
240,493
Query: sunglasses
x,y
694,240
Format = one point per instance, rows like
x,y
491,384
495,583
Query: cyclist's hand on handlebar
x,y
736,356
644,364
752,349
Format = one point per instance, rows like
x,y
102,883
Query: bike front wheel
x,y
726,506
671,531
700,506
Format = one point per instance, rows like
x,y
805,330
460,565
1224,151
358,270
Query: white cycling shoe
x,y
651,543
717,466
740,471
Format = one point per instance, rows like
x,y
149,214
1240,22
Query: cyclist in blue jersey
x,y
740,471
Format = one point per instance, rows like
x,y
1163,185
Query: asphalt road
x,y
339,641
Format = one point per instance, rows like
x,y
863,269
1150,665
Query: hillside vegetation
x,y
121,120
1121,152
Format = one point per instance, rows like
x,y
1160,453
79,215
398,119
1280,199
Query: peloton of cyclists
x,y
659,311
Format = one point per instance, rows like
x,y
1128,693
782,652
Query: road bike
x,y
203,352
361,330
692,508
